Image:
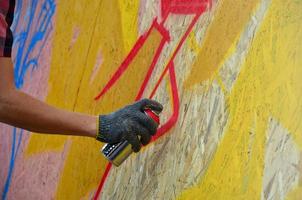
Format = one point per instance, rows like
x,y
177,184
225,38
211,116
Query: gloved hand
x,y
128,123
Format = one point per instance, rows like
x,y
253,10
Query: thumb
x,y
151,104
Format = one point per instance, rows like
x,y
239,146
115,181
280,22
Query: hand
x,y
128,123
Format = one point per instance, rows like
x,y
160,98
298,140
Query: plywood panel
x,y
227,72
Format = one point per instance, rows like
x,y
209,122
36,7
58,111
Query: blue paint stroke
x,y
29,40
14,151
25,43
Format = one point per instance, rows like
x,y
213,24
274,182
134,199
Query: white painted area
x,y
282,157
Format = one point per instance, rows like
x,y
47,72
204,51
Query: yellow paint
x,y
129,14
234,172
221,84
221,37
99,26
102,28
123,93
67,64
268,85
84,164
192,43
38,143
295,194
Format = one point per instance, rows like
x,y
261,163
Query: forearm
x,y
21,110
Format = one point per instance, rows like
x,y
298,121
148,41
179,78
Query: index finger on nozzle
x,y
151,104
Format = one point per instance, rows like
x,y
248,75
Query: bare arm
x,y
21,110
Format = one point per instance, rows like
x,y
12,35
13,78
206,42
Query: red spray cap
x,y
153,115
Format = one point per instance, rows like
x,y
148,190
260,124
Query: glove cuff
x,y
103,128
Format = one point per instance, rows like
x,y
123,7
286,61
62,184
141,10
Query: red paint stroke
x,y
152,67
183,7
196,7
137,46
105,175
175,100
175,53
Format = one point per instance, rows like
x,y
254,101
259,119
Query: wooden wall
x,y
229,76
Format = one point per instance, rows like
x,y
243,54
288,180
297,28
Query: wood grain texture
x,y
234,106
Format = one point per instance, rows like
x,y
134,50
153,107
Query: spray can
x,y
119,152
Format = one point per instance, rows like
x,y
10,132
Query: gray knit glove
x,y
128,123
